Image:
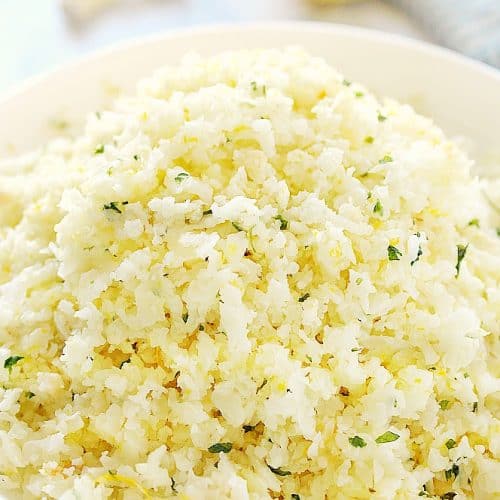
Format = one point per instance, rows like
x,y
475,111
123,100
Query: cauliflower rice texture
x,y
250,280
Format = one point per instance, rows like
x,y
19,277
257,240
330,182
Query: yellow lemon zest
x,y
118,478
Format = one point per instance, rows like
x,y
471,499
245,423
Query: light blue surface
x,y
468,26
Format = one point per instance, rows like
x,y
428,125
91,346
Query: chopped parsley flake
x,y
124,363
295,496
283,222
279,471
387,437
255,88
237,226
393,253
450,444
264,382
248,428
473,222
208,212
450,495
345,82
498,232
474,407
112,205
180,177
136,157
11,361
369,139
381,117
185,317
359,94
220,448
452,473
30,394
444,404
201,328
99,149
304,297
461,251
386,159
357,442
419,254
378,208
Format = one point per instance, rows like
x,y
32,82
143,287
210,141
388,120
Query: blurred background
x,y
36,35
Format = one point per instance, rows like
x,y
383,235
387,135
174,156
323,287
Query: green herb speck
x,y
387,437
124,363
30,394
393,253
378,208
279,471
248,428
452,473
450,495
358,93
450,444
419,254
112,205
237,226
283,222
99,149
473,222
357,442
386,159
11,361
345,82
295,496
381,117
474,407
208,212
220,448
369,139
461,251
185,317
444,404
180,177
264,382
304,297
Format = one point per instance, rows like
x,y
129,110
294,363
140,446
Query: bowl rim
x,y
358,32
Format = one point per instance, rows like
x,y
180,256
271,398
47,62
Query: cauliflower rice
x,y
250,280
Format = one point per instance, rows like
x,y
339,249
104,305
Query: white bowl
x,y
462,95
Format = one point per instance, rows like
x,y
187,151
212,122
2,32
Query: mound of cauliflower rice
x,y
249,280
